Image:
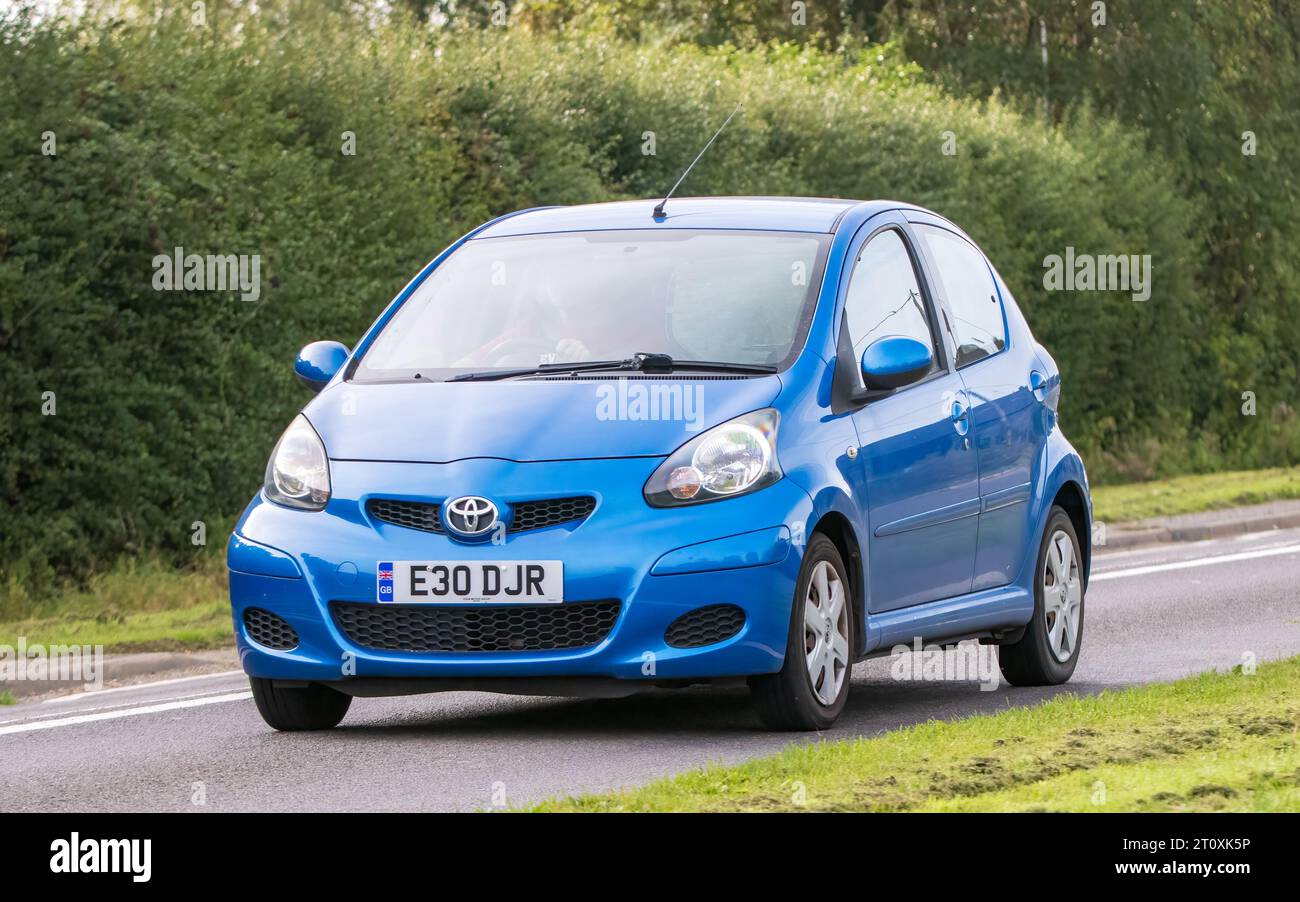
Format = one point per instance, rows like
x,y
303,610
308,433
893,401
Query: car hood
x,y
553,419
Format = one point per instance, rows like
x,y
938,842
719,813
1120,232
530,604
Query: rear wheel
x,y
311,708
812,686
1049,650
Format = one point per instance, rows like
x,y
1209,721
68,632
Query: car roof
x,y
783,214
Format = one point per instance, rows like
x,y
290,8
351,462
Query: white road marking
x,y
127,712
1195,562
98,692
1278,539
1268,538
86,709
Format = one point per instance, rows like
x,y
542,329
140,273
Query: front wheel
x,y
810,690
290,710
1049,650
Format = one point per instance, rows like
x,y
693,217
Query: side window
x,y
972,297
884,297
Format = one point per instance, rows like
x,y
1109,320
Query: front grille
x,y
705,626
412,514
269,630
537,514
423,515
421,628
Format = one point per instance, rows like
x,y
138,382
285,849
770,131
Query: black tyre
x,y
312,708
1049,650
811,688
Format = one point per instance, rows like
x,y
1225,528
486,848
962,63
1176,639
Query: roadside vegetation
x,y
136,606
1190,494
1214,742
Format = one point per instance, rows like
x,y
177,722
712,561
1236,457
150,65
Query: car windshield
x,y
740,297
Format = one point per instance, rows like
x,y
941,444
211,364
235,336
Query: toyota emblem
x,y
470,515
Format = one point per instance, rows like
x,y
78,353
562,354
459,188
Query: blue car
x,y
597,449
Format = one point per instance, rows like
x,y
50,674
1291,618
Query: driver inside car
x,y
586,327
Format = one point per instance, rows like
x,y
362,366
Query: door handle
x,y
1038,384
960,417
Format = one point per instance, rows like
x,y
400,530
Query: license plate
x,y
471,582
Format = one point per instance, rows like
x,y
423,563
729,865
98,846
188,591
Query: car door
x,y
917,474
1005,416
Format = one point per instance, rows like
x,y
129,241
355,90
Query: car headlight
x,y
736,457
298,473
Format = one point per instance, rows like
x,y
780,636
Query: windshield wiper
x,y
640,362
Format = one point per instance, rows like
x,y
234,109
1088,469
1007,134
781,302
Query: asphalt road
x,y
1154,614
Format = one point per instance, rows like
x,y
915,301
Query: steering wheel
x,y
502,354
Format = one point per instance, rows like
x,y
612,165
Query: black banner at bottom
x,y
299,851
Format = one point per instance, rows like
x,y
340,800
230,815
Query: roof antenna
x,y
659,210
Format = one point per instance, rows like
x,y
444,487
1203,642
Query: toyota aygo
x,y
597,449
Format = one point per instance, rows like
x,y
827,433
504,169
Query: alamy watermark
x,y
62,663
76,855
180,271
651,400
966,662
1098,272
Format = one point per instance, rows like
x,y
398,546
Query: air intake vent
x,y
551,512
705,626
423,515
412,514
269,630
423,628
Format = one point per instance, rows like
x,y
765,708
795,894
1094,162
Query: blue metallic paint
x,y
895,360
552,420
244,556
749,549
946,533
775,213
318,362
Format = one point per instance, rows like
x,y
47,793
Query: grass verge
x,y
1191,494
1215,742
137,606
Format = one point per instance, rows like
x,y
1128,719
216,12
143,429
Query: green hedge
x,y
226,139
1194,78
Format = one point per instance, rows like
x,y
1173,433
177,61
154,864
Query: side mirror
x,y
318,362
894,361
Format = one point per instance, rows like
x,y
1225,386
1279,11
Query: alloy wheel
x,y
1062,596
826,632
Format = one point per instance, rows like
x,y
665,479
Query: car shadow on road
x,y
875,705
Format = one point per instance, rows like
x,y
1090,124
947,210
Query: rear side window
x,y
972,297
884,296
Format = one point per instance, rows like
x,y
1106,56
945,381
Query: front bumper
x,y
658,563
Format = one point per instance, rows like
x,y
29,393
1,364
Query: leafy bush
x,y
1202,81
